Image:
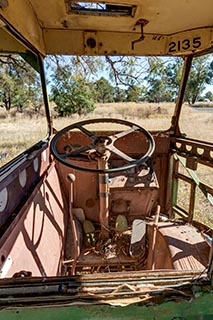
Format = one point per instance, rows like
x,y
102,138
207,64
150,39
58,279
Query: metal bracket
x,y
90,43
142,23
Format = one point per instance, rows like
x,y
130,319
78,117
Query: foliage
x,y
133,93
200,75
75,88
157,81
71,94
87,67
7,86
209,96
173,73
103,90
119,94
165,75
20,85
159,77
126,71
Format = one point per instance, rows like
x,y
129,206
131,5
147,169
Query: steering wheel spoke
x,y
77,152
124,133
119,153
87,132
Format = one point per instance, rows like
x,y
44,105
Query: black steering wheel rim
x,y
80,124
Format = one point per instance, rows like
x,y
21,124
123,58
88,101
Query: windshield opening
x,y
139,89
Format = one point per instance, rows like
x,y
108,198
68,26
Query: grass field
x,y
20,131
194,123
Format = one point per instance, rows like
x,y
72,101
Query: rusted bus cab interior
x,y
85,201
82,222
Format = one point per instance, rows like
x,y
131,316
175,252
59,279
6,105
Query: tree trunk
x,y
7,101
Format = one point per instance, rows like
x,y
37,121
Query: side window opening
x,y
22,114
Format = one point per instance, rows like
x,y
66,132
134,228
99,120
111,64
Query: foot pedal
x,y
138,239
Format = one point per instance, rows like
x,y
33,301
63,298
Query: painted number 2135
x,y
186,44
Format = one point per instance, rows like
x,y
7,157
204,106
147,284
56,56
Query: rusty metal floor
x,y
91,262
189,251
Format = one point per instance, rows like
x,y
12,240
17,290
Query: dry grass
x,y
194,123
20,131
203,211
150,116
197,123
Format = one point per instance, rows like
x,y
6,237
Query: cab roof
x,y
126,27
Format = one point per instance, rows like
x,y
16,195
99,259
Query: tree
x,y
165,75
20,85
7,87
209,96
71,94
173,72
133,93
158,88
103,90
87,67
119,94
126,71
157,92
160,76
200,75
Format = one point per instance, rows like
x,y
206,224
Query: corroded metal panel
x,y
39,231
20,179
189,250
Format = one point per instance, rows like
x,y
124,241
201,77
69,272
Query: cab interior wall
x,y
39,229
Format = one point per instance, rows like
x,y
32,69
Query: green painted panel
x,y
200,308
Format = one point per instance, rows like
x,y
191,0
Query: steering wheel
x,y
102,144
